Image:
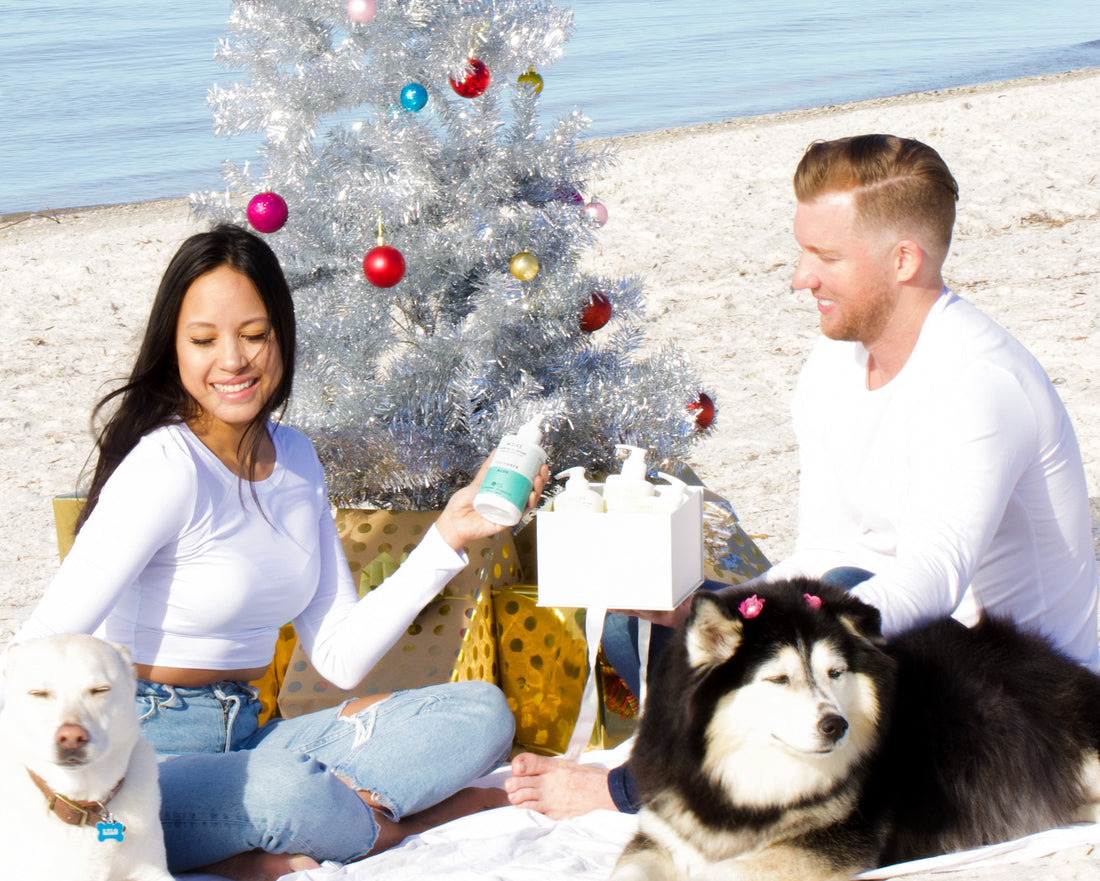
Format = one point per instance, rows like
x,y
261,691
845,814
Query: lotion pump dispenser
x,y
668,497
626,491
577,496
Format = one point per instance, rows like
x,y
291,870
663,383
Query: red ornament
x,y
384,266
476,80
596,314
267,212
704,410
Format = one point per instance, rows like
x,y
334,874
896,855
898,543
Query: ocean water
x,y
105,102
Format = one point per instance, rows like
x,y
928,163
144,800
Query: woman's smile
x,y
229,361
236,388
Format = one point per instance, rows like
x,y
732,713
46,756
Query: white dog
x,y
78,785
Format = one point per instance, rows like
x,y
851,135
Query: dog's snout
x,y
833,726
71,738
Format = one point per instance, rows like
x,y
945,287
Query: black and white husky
x,y
783,738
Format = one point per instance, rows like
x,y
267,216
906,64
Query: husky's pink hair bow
x,y
751,607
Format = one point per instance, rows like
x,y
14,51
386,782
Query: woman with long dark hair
x,y
207,527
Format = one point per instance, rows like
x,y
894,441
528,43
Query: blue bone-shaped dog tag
x,y
110,831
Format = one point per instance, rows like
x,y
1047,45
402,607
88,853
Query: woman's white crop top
x,y
178,564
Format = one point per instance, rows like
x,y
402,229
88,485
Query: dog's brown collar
x,y
76,813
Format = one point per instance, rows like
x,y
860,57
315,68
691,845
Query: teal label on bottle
x,y
513,471
509,484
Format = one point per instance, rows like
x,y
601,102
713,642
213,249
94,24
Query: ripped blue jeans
x,y
229,785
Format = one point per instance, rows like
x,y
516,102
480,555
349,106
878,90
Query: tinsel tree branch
x,y
405,389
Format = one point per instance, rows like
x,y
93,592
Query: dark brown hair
x,y
154,394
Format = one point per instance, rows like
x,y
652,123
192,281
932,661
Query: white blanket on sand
x,y
510,844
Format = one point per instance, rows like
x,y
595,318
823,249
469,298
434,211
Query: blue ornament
x,y
414,96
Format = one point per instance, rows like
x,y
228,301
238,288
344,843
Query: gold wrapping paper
x,y
269,684
543,666
66,510
526,540
450,640
618,709
376,542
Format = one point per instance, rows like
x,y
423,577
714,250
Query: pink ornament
x,y
568,194
751,607
362,11
267,212
597,213
384,266
476,80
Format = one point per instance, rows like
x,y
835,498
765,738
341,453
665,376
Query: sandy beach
x,y
703,216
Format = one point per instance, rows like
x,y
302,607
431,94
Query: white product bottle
x,y
668,498
507,484
577,496
624,492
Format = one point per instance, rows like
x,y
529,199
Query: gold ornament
x,y
524,266
532,79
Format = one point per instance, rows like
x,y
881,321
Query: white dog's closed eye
x,y
46,693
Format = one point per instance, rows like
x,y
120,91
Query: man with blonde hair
x,y
934,450
939,471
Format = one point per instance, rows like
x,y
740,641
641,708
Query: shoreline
x,y
55,214
658,135
885,101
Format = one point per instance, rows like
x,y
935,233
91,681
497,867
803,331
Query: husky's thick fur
x,y
783,738
70,749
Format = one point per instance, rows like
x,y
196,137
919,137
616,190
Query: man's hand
x,y
671,619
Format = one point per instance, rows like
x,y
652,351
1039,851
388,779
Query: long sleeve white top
x,y
177,563
959,483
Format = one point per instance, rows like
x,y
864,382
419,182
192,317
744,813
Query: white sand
x,y
703,215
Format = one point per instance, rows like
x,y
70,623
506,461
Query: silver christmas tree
x,y
415,122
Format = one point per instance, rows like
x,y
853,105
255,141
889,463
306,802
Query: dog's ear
x,y
123,650
125,656
712,634
862,621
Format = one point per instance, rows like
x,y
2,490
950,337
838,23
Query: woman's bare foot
x,y
471,800
467,801
556,787
256,865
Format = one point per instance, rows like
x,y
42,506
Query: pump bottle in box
x,y
577,496
668,497
626,491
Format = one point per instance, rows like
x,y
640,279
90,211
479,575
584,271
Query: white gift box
x,y
621,561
